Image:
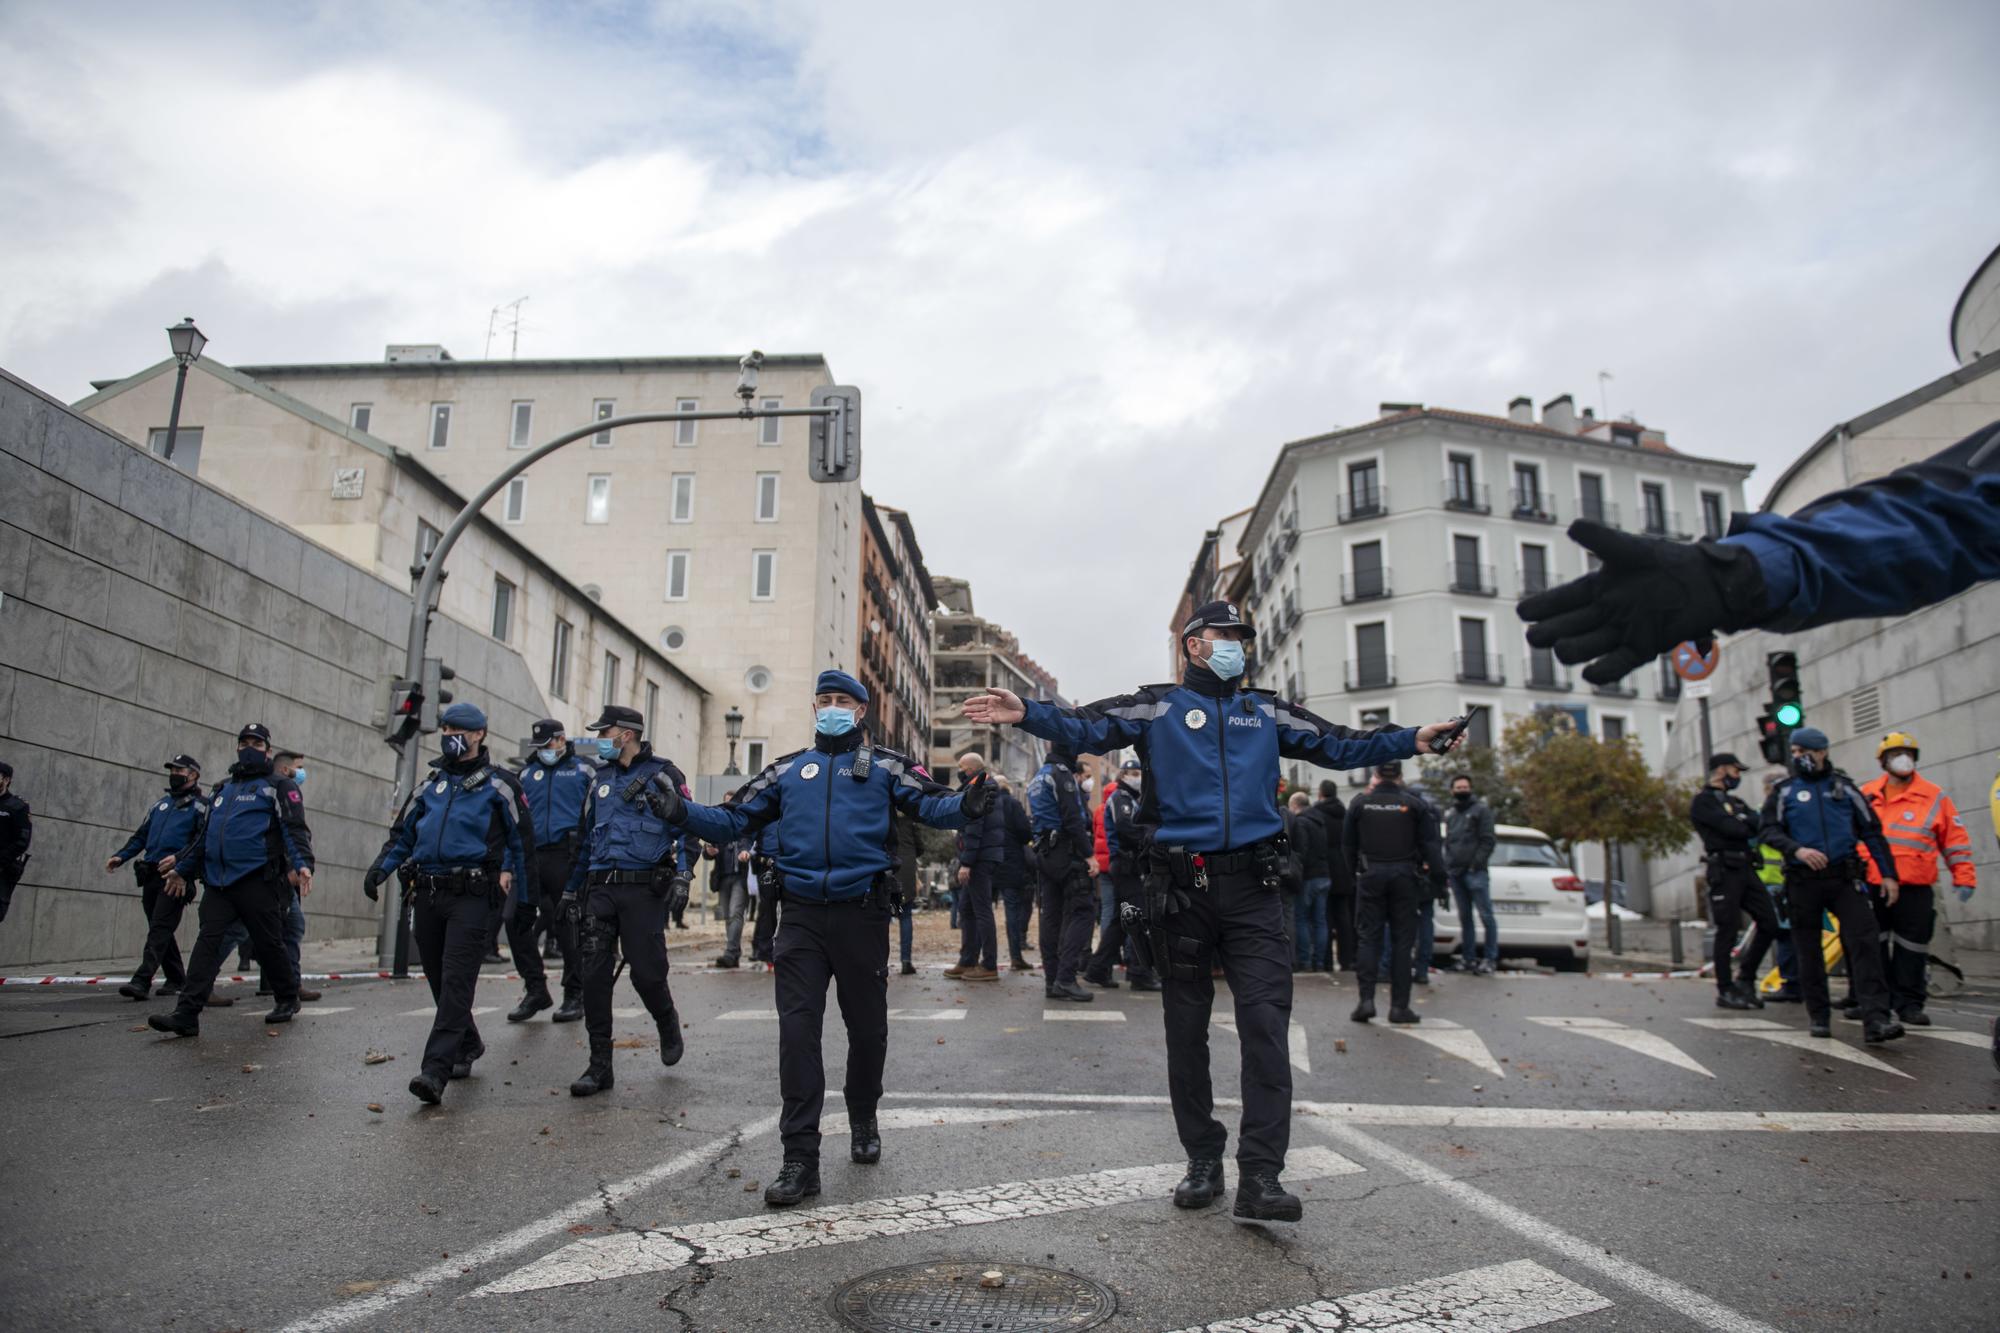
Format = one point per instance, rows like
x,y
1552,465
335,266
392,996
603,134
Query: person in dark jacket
x,y
729,879
172,824
1310,932
1728,827
254,851
1125,849
1016,880
1468,852
981,851
764,865
1064,849
1331,812
1391,838
17,831
555,780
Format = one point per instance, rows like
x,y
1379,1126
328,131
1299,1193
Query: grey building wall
x,y
143,613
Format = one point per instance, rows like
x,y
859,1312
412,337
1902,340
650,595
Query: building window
x,y
1590,499
1528,490
427,541
503,609
597,499
763,575
1612,726
682,507
187,447
1467,575
652,708
610,678
1370,576
1479,731
1460,492
768,427
753,756
677,576
559,661
602,410
1534,570
1474,664
359,415
522,433
1364,489
440,425
1371,657
673,638
517,499
1653,497
1714,517
767,497
684,430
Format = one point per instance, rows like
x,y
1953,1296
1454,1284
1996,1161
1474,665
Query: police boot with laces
x,y
796,1181
427,1088
672,1045
536,1000
462,1067
1364,1008
177,1023
1730,999
865,1146
1202,1185
1404,1015
1747,988
1879,1030
1260,1198
1069,990
570,1011
132,990
595,1079
283,1012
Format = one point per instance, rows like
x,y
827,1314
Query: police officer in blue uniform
x,y
1124,841
173,822
631,869
1816,817
1390,837
836,871
254,851
1211,752
462,834
556,781
1063,851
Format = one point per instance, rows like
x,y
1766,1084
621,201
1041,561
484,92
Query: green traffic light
x,y
1790,715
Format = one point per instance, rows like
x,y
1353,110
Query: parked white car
x,y
1538,903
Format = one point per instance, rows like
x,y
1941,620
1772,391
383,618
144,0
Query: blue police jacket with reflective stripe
x,y
1212,758
1055,802
255,819
835,833
167,828
1827,813
622,833
555,795
462,817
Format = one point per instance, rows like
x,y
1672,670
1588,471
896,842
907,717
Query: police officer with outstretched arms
x,y
836,871
1211,751
173,822
254,851
1728,826
463,835
555,780
1063,851
1390,837
631,869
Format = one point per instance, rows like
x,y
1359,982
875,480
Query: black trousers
x,y
1125,888
766,929
632,917
1391,893
1733,892
451,930
1838,891
552,867
162,952
1238,922
847,944
977,943
1069,907
1340,924
259,901
1906,931
1017,897
9,877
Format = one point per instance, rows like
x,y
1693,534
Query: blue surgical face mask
x,y
548,756
1225,658
298,777
456,745
607,749
834,721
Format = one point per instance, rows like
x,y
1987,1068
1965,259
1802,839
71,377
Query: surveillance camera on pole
x,y
746,380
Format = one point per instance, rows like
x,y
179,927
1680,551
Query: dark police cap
x,y
1392,769
545,731
1722,757
183,761
256,729
617,715
1217,615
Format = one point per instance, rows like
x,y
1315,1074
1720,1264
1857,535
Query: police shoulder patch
x,y
538,775
809,772
1196,718
604,790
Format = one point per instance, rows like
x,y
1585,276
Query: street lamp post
x,y
732,726
187,342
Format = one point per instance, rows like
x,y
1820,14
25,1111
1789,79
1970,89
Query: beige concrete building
x,y
708,538
972,655
382,509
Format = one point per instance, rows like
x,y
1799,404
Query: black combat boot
x,y
1202,1185
570,1011
427,1088
462,1067
1403,1014
1879,1030
536,1000
1731,999
179,1024
284,1012
595,1079
1069,990
1364,1008
132,990
1144,981
1260,1198
796,1181
672,1046
1101,980
865,1147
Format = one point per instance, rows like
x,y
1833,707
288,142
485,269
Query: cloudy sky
x,y
1091,263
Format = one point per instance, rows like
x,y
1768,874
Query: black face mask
x,y
249,758
1731,783
1805,766
179,782
1462,797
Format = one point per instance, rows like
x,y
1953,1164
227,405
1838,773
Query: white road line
x,y
1083,1016
1295,1043
630,1253
895,1016
430,1010
747,1015
1766,1030
1632,1039
930,1117
1501,1298
372,1307
1452,1039
1586,1254
1972,1039
320,1011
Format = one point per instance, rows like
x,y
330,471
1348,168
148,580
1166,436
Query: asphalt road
x,y
1576,1152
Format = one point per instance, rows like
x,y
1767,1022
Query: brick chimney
x,y
1395,409
1560,414
1522,410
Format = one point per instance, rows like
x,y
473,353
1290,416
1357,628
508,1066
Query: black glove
x,y
677,894
976,801
371,884
1649,595
664,799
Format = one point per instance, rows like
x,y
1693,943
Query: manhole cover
x,y
948,1298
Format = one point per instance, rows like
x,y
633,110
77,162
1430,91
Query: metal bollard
x,y
1675,942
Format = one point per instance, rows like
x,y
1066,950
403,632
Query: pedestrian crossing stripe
x,y
1500,1298
1454,1040
1083,1016
1296,1047
1631,1039
1764,1029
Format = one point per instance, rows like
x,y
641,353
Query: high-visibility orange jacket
x,y
1921,825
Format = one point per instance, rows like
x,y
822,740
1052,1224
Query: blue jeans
x,y
1311,933
1107,903
1473,889
1420,961
1018,896
904,926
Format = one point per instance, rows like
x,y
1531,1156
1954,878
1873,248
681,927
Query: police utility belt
x,y
462,879
1194,870
651,877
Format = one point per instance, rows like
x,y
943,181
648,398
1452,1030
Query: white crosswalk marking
x,y
321,1011
1083,1016
1971,1039
1765,1030
1295,1043
927,1117
628,1254
1452,1039
430,1010
1644,1043
895,1016
1497,1299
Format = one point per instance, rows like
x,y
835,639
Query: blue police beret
x,y
831,682
464,716
1810,738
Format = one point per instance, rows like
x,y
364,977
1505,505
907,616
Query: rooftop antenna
x,y
1604,377
511,324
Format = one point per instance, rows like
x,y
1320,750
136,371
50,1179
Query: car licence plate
x,y
1518,909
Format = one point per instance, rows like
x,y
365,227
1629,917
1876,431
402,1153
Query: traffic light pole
x,y
842,415
1707,741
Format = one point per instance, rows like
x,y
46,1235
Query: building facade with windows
x,y
709,538
972,655
383,510
894,630
1210,575
1382,563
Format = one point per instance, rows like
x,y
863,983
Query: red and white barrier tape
x,y
304,976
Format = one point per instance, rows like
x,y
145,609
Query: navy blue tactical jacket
x,y
832,813
619,829
173,822
255,819
984,840
1828,813
1055,805
464,815
1211,753
555,794
1016,833
1123,834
